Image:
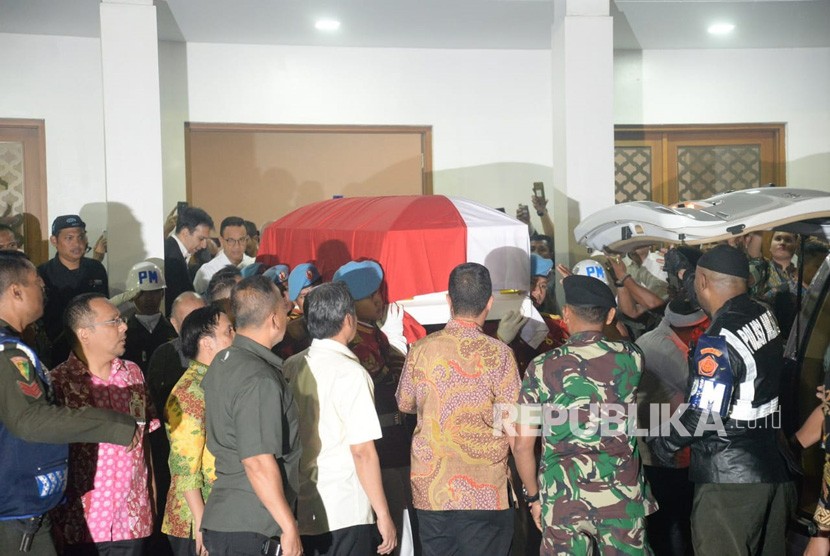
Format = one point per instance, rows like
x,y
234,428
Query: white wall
x,y
490,109
729,86
58,79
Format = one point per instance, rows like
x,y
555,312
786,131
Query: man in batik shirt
x,y
205,332
454,379
108,501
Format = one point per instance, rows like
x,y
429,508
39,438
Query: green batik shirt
x,y
590,467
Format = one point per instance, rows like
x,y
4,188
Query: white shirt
x,y
335,398
207,270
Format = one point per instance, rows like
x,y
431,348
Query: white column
x,y
132,134
582,53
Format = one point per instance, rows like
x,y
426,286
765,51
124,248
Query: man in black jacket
x,y
192,233
740,465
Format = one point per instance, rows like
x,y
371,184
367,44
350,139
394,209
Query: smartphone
x,y
539,189
181,205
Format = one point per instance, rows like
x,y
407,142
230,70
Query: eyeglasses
x,y
233,242
117,321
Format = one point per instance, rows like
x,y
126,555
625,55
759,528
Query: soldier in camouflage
x,y
588,495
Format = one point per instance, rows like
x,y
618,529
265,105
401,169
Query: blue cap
x,y
251,270
363,278
301,277
277,273
540,266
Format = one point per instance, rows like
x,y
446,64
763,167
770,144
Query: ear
x,y
53,240
610,318
83,334
489,304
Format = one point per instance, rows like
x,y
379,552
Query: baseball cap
x,y
67,221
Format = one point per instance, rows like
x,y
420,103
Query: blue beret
x,y
363,278
301,277
540,266
277,273
251,270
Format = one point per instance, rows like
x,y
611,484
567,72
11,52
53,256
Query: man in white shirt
x,y
340,480
234,238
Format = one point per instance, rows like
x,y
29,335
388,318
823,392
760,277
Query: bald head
x,y
183,305
713,288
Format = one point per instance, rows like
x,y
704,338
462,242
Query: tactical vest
x,y
32,474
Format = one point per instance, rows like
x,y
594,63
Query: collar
x,y
199,368
729,304
249,345
78,368
9,329
463,323
183,249
328,344
586,336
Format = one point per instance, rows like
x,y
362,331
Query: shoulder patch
x,y
30,390
24,367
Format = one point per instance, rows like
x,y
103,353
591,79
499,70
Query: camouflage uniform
x,y
592,487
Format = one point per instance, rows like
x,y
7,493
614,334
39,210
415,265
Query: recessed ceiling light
x,y
721,28
327,25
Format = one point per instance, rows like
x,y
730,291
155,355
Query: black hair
x,y
815,249
79,313
224,279
253,231
470,289
253,300
590,314
542,237
231,221
199,323
325,308
7,228
14,269
190,217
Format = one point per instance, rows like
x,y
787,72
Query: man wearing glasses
x,y
66,275
234,237
108,506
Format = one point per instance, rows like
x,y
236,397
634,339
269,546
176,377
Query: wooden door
x,y
668,164
23,184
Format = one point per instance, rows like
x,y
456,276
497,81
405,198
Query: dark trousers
x,y
11,533
465,532
181,547
220,543
132,547
348,541
738,519
669,528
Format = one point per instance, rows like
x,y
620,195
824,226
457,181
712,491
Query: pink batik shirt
x,y
107,495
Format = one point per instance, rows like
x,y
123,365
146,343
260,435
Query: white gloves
x,y
509,326
393,327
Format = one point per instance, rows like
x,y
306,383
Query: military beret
x,y
301,277
277,273
725,260
362,278
588,291
540,266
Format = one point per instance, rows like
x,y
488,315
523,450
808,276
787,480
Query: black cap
x,y
67,221
588,291
726,260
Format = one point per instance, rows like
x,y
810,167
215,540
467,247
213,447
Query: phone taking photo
x,y
539,189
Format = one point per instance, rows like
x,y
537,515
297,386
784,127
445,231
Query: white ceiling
x,y
499,24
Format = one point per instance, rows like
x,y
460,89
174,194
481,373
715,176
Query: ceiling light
x,y
327,25
721,28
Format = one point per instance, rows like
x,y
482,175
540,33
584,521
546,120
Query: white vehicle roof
x,y
626,226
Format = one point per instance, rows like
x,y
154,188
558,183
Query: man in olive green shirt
x,y
252,429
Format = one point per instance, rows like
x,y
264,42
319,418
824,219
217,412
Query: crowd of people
x,y
221,407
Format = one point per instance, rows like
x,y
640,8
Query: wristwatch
x,y
814,531
529,499
621,283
